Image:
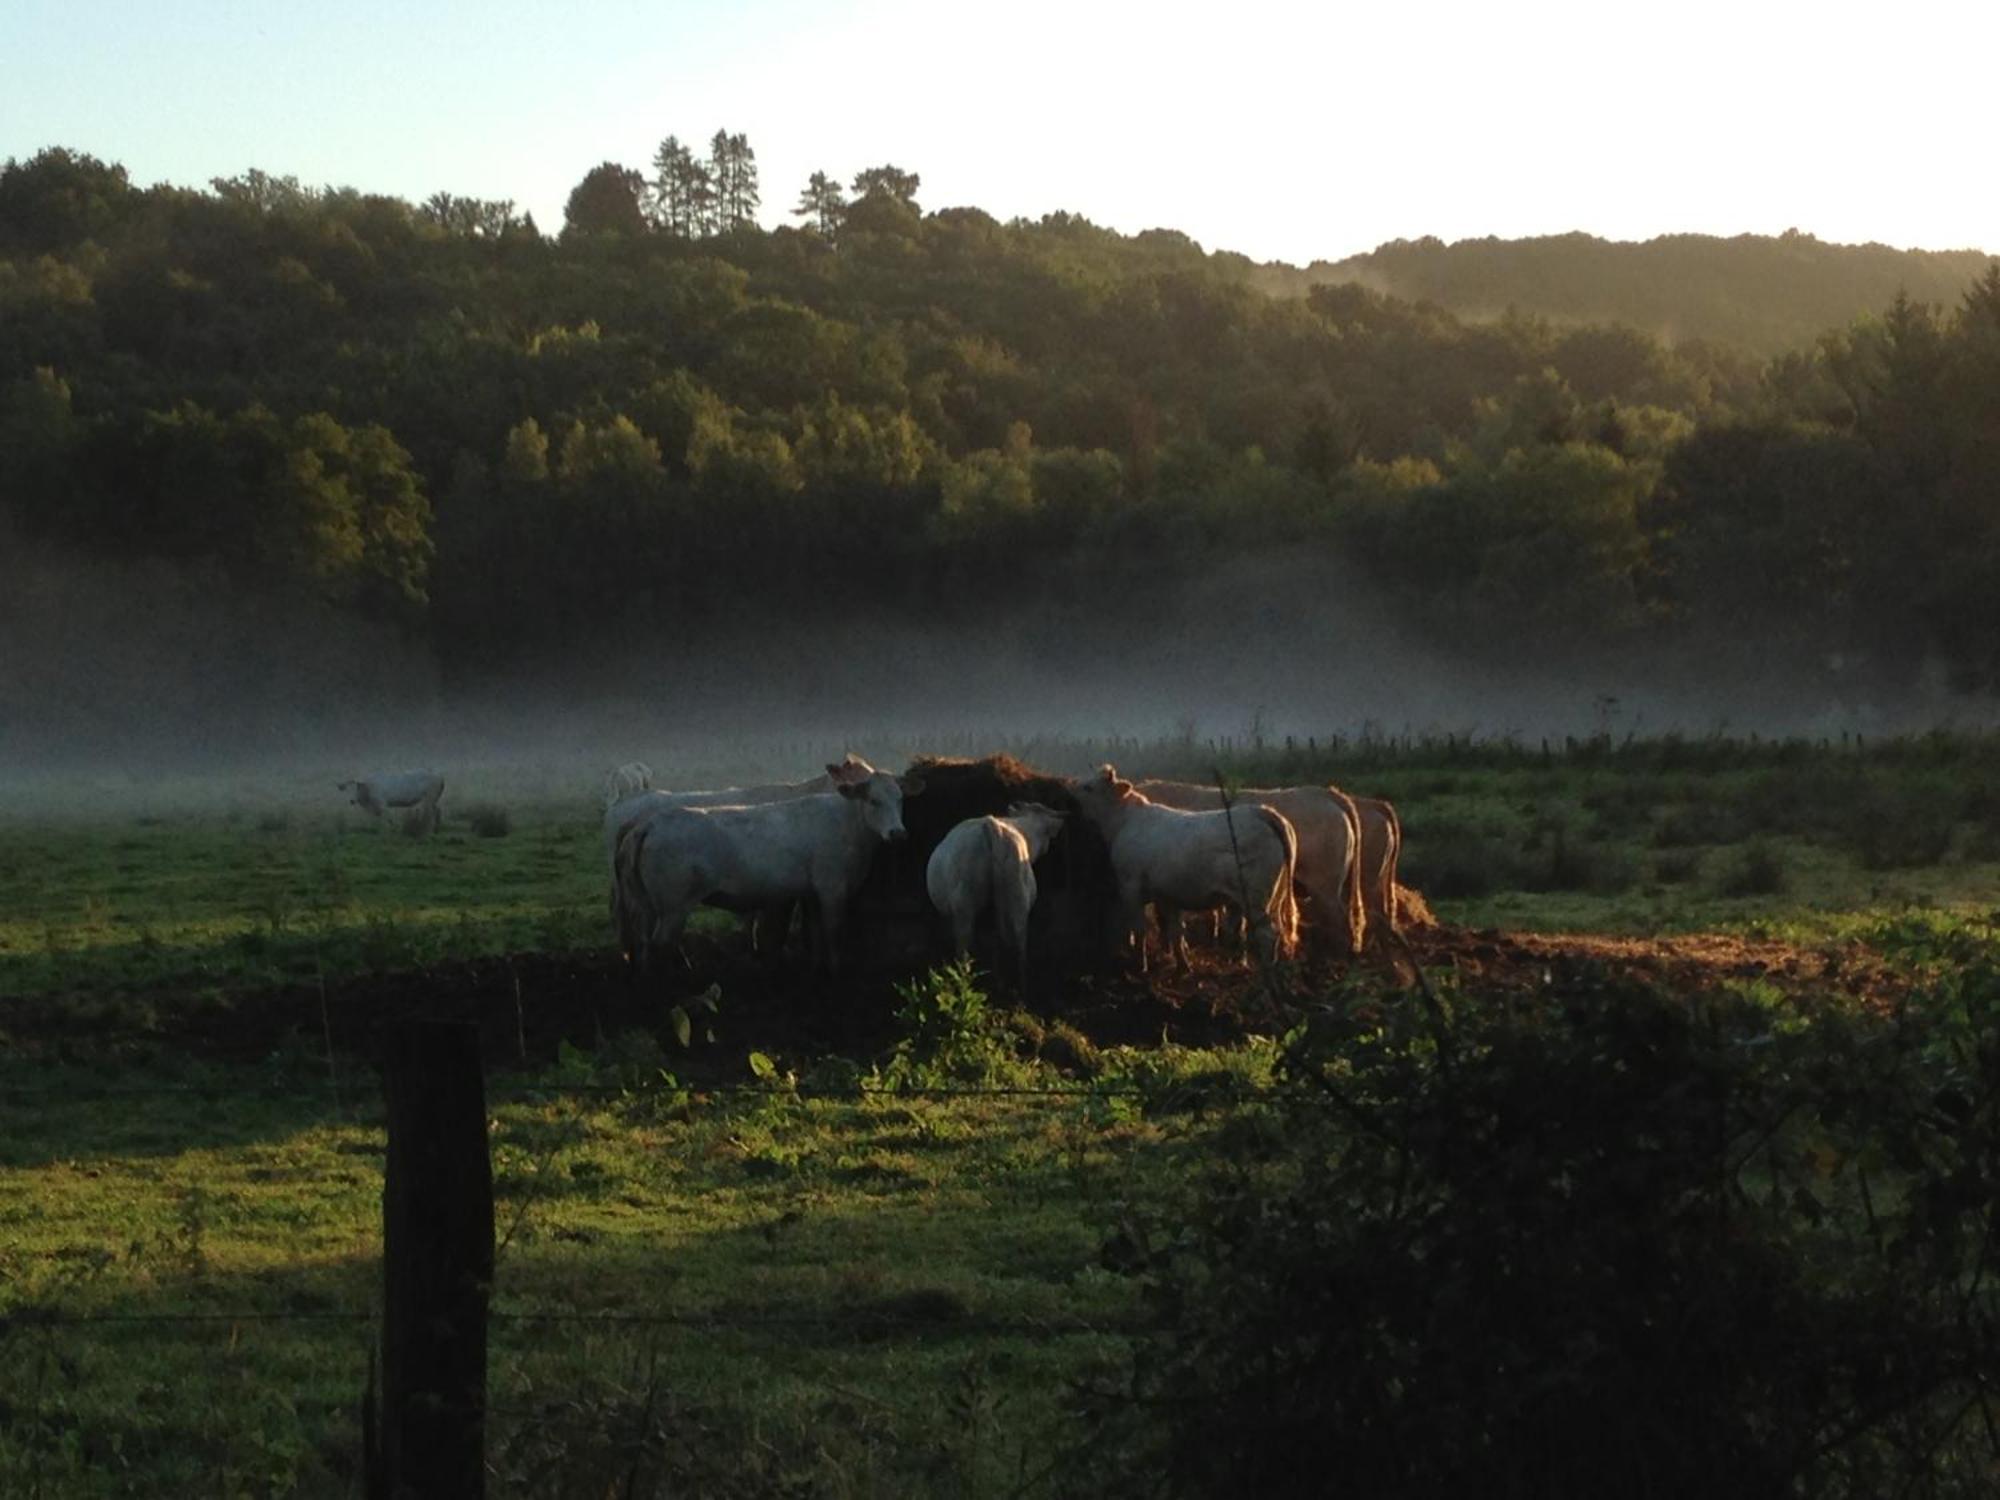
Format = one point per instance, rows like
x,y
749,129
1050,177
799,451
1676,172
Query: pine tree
x,y
823,202
671,209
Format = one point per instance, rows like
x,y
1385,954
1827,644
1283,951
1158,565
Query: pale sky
x,y
1292,132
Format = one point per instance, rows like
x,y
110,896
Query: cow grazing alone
x,y
1195,861
1329,875
418,789
988,865
752,858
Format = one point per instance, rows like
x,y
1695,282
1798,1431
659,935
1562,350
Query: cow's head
x,y
880,799
361,794
1099,794
850,770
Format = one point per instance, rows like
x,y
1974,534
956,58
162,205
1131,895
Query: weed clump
x,y
1676,866
489,820
1759,870
950,1036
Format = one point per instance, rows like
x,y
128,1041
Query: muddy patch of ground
x,y
526,1005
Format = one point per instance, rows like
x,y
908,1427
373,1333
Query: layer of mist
x,y
141,683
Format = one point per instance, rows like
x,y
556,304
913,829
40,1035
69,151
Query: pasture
x,y
761,1233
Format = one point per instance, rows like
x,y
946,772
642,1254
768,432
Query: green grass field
x,y
748,1291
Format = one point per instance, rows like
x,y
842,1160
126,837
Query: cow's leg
x,y
669,928
832,913
771,929
964,924
1264,936
1019,942
1173,933
1132,924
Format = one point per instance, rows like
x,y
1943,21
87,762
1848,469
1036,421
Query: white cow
x,y
418,789
1329,873
632,777
769,926
626,812
988,864
755,857
1194,861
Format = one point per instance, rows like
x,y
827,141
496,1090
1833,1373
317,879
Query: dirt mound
x,y
1695,961
527,1005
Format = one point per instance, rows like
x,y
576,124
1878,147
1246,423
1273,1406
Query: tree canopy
x,y
512,443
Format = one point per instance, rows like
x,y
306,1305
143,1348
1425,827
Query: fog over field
x,y
126,676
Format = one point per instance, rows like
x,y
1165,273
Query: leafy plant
x,y
949,1035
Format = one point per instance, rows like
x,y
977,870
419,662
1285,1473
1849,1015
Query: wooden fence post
x,y
437,1267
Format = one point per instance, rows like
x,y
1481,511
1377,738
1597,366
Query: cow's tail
x,y
1013,882
1390,861
628,894
1283,905
1354,896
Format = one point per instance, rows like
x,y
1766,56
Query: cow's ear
x,y
851,789
913,786
1108,774
844,774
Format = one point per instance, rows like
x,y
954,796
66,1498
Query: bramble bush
x,y
1607,1241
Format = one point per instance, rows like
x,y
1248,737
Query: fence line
x,y
25,1319
522,1093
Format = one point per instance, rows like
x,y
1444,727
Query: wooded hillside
x,y
664,418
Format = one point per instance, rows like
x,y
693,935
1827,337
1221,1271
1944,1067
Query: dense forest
x,y
504,444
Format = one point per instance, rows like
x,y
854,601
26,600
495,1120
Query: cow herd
x,y
1295,864
812,847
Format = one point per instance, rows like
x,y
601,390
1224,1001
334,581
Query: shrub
x,y
1575,1243
1683,826
1759,870
1676,867
1578,865
489,820
1453,862
1891,825
949,1035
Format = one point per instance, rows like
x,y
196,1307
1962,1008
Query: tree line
x,y
1764,293
666,419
